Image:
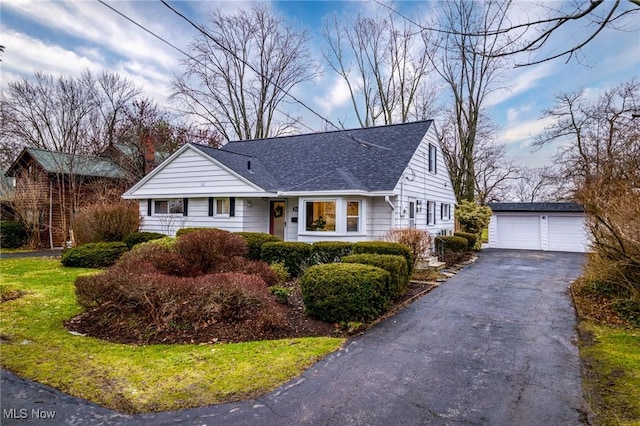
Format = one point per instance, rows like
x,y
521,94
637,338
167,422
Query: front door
x,y
277,220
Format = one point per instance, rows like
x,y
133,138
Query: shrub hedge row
x,y
330,251
295,255
381,247
255,240
471,238
93,255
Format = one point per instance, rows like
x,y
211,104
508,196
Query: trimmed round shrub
x,y
471,238
338,292
93,255
453,244
167,242
383,247
394,264
141,237
330,251
210,250
12,234
255,240
295,255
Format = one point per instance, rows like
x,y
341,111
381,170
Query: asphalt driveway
x,y
495,345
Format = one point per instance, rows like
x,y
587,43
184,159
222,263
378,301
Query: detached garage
x,y
538,226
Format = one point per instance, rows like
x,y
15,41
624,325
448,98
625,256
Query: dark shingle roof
x,y
80,165
536,207
369,159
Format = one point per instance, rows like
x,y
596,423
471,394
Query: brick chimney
x,y
149,153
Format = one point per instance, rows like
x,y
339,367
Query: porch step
x,y
431,263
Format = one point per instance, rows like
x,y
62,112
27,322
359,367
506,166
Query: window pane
x,y
353,216
321,216
176,206
161,207
352,208
222,206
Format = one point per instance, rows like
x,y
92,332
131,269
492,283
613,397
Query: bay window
x,y
321,216
353,216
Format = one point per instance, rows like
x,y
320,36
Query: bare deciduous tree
x,y
471,73
494,172
240,72
600,139
385,66
112,95
537,184
532,35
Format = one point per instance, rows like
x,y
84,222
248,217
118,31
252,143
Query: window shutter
x,y
210,206
185,207
149,201
428,212
232,206
441,211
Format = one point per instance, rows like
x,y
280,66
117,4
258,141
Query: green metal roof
x,y
80,165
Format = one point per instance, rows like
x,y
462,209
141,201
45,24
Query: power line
x,y
205,66
229,51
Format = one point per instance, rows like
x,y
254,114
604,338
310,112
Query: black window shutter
x,y
210,206
185,207
149,201
428,212
441,211
232,206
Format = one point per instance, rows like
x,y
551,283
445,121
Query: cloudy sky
x,y
66,37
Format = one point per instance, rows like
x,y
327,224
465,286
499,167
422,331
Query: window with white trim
x,y
320,216
433,159
445,211
168,207
353,216
431,212
221,207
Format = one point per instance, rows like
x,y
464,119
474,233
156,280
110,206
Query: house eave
x,y
348,192
199,195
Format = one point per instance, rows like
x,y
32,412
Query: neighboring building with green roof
x,y
51,186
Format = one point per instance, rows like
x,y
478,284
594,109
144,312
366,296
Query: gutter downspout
x,y
393,209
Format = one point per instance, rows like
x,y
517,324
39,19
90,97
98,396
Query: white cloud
x,y
337,95
521,80
524,133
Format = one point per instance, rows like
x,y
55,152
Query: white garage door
x,y
518,232
567,233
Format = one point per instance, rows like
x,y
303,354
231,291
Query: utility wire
x,y
194,59
229,51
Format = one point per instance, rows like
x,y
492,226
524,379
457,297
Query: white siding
x,y
418,183
256,217
191,173
379,217
198,217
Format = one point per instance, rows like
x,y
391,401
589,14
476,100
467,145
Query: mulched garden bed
x,y
298,324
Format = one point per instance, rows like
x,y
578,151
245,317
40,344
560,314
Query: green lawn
x,y
128,377
611,380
